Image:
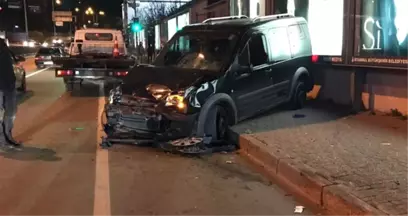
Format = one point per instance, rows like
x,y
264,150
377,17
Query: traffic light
x,y
136,26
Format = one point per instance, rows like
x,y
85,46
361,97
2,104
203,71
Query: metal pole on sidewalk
x,y
25,16
53,23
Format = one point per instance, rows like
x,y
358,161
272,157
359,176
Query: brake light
x,y
121,73
65,73
315,58
116,48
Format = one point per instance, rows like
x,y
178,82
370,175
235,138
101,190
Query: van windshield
x,y
199,50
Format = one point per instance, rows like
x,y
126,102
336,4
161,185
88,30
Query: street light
x,y
77,9
58,2
102,13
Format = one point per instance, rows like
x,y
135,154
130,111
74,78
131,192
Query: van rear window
x,y
98,36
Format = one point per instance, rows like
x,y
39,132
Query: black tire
x,y
299,96
221,123
215,125
23,87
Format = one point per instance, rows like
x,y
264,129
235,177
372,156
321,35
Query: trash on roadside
x,y
248,131
298,116
386,144
228,162
299,209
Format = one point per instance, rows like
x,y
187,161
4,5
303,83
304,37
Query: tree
x,y
157,11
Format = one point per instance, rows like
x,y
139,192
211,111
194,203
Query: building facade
x,y
204,9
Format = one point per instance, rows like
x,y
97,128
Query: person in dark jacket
x,y
8,100
150,53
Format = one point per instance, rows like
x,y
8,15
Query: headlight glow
x,y
45,44
25,43
175,100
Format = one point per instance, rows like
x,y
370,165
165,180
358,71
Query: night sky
x,y
112,8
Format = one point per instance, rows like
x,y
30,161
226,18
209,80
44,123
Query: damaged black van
x,y
210,76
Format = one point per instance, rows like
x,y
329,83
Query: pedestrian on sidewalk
x,y
8,97
150,53
140,52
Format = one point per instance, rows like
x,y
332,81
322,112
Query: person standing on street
x,y
8,97
150,53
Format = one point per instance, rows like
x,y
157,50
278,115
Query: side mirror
x,y
20,59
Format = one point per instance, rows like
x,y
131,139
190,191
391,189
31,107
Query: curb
x,y
301,180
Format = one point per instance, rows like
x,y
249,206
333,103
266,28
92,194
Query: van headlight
x,y
176,100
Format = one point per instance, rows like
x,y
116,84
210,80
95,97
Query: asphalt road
x,y
61,170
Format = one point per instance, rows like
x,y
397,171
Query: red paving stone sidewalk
x,y
365,154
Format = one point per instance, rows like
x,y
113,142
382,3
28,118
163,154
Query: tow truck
x,y
94,54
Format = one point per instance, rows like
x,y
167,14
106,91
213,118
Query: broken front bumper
x,y
140,118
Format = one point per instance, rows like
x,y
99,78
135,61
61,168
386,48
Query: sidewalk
x,y
345,164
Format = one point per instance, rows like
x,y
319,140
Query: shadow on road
x,y
279,118
24,96
29,153
90,90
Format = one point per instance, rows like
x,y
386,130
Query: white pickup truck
x,y
94,54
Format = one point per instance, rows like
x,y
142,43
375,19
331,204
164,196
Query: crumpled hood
x,y
174,78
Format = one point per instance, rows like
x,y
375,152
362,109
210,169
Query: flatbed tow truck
x,y
95,54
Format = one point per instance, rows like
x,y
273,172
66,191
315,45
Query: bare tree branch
x,y
156,11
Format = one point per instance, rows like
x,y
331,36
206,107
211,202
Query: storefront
x,y
376,36
381,33
326,33
171,27
177,23
250,8
183,20
157,40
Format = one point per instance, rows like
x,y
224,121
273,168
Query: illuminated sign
x,y
379,60
375,36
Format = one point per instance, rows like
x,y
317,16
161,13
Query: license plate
x,y
48,63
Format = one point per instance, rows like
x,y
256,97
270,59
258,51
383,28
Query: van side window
x,y
258,50
279,44
296,36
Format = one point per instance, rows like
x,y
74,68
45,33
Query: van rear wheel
x,y
299,96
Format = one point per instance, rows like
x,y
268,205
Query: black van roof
x,y
239,23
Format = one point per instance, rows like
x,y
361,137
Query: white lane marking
x,y
36,72
102,203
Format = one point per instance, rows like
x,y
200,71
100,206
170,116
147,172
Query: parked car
x,y
210,76
43,58
20,73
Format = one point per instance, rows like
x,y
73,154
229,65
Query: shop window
x,y
325,22
382,28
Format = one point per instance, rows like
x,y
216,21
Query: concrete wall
x,y
382,89
385,90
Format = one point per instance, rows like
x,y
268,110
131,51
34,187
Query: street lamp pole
x,y
25,16
53,23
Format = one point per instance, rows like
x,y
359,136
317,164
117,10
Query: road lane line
x,y
36,72
102,204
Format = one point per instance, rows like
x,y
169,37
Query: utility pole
x,y
25,16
